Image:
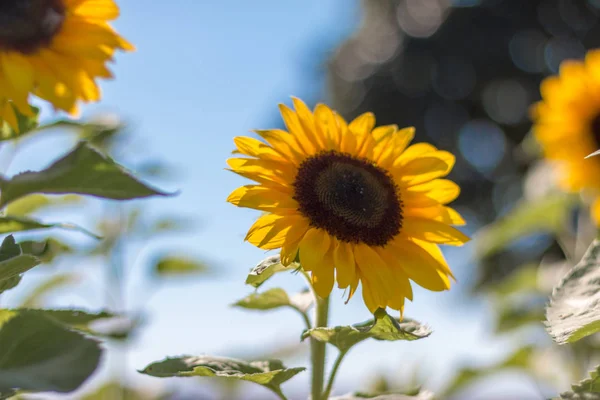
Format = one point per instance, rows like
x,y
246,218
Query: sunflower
x,y
567,125
351,202
54,49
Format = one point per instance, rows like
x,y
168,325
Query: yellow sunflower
x,y
352,202
54,49
567,125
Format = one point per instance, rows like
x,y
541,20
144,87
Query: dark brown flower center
x,y
351,198
28,25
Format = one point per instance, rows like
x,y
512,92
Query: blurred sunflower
x,y
352,202
54,49
567,125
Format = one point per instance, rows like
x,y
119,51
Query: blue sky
x,y
204,72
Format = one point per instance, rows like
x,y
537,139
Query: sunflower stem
x,y
318,348
332,374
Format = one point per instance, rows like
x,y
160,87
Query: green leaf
x,y
12,261
588,389
543,215
574,309
115,390
36,202
9,224
425,395
270,374
10,283
383,327
83,171
39,354
26,125
513,316
266,269
178,266
46,250
36,297
520,360
522,280
77,319
276,298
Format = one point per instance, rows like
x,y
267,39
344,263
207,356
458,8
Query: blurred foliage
x,y
464,73
270,374
58,350
382,327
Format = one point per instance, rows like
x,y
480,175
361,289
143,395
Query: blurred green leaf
x,y
513,315
10,283
588,389
266,269
178,266
101,133
26,125
523,280
46,250
12,261
169,224
270,374
276,298
39,354
77,319
520,359
543,215
54,282
114,390
35,202
7,394
357,396
82,171
383,327
9,224
574,309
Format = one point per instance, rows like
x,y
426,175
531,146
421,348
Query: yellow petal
x,y
441,191
95,9
322,275
313,247
262,198
372,265
369,294
255,148
425,168
439,213
269,231
435,251
328,127
433,231
343,259
289,249
420,266
402,287
307,121
293,125
391,146
414,151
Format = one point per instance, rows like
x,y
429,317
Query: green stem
x,y
304,317
332,374
318,348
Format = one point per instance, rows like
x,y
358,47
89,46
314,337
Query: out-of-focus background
x,y
463,72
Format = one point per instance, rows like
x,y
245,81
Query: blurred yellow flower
x,y
352,202
567,125
54,49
